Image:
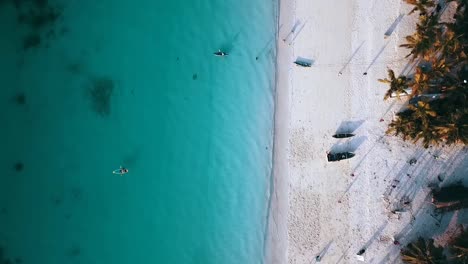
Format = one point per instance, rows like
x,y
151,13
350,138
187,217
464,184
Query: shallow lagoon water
x,y
114,83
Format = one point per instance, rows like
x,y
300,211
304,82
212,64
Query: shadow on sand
x,y
348,127
350,146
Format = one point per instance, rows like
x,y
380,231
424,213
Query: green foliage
x,y
397,85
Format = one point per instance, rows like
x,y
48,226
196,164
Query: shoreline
x,y
276,237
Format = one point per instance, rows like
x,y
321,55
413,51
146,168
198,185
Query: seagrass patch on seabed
x,y
99,92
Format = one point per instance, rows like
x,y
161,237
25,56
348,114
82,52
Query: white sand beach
x,y
334,209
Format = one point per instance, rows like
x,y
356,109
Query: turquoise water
x,y
114,83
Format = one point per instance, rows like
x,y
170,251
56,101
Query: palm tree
x,y
417,44
429,137
451,45
425,40
422,111
449,133
401,125
423,252
397,85
421,81
439,67
420,5
444,49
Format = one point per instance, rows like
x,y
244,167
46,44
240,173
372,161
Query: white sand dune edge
x,y
336,209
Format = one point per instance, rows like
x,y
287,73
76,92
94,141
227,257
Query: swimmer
x,y
120,171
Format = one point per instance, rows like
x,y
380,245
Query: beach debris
x,y
386,200
318,258
412,161
365,73
395,182
360,258
395,214
359,254
384,239
440,178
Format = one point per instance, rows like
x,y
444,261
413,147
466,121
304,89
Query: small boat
x,y
339,156
121,171
303,63
220,53
343,135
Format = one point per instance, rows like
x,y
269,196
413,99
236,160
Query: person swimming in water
x,y
120,171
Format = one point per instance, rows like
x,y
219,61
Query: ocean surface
x,y
89,85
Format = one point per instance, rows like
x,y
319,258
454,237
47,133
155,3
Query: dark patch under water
x,y
74,251
32,40
20,99
100,94
19,166
40,17
75,68
5,260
